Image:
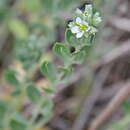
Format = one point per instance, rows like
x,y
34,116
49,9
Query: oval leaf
x,y
33,93
62,51
18,122
49,70
78,57
71,39
10,77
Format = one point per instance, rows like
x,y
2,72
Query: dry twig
x,y
115,54
91,99
121,96
109,92
120,23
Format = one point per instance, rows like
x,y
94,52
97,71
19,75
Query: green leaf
x,y
78,57
46,111
48,31
66,73
3,109
49,70
65,4
33,5
126,107
18,28
86,49
71,39
96,19
47,106
87,40
48,90
10,77
62,51
16,92
33,93
4,9
18,122
50,6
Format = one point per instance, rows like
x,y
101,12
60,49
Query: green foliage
x,y
63,52
71,39
46,111
18,122
3,110
18,28
11,77
49,70
122,124
126,107
3,9
66,73
78,57
64,4
47,106
49,5
79,35
48,90
47,31
35,5
30,27
33,93
29,51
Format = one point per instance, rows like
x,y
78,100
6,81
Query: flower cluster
x,y
85,23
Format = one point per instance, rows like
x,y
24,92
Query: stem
x,y
43,121
34,116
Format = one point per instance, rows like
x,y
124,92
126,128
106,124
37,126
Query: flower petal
x,y
88,29
78,20
78,11
70,24
75,29
79,34
97,19
93,30
85,23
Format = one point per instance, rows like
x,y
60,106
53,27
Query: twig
x,y
109,92
121,96
115,54
120,23
91,99
74,78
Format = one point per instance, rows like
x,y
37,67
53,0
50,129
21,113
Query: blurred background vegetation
x,y
28,30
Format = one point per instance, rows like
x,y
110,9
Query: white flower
x,y
79,27
78,11
97,19
78,20
79,34
93,30
85,23
75,29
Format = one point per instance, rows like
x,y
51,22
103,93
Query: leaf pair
x,y
63,52
87,40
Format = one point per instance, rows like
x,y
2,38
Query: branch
x,y
120,23
91,99
121,96
115,54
